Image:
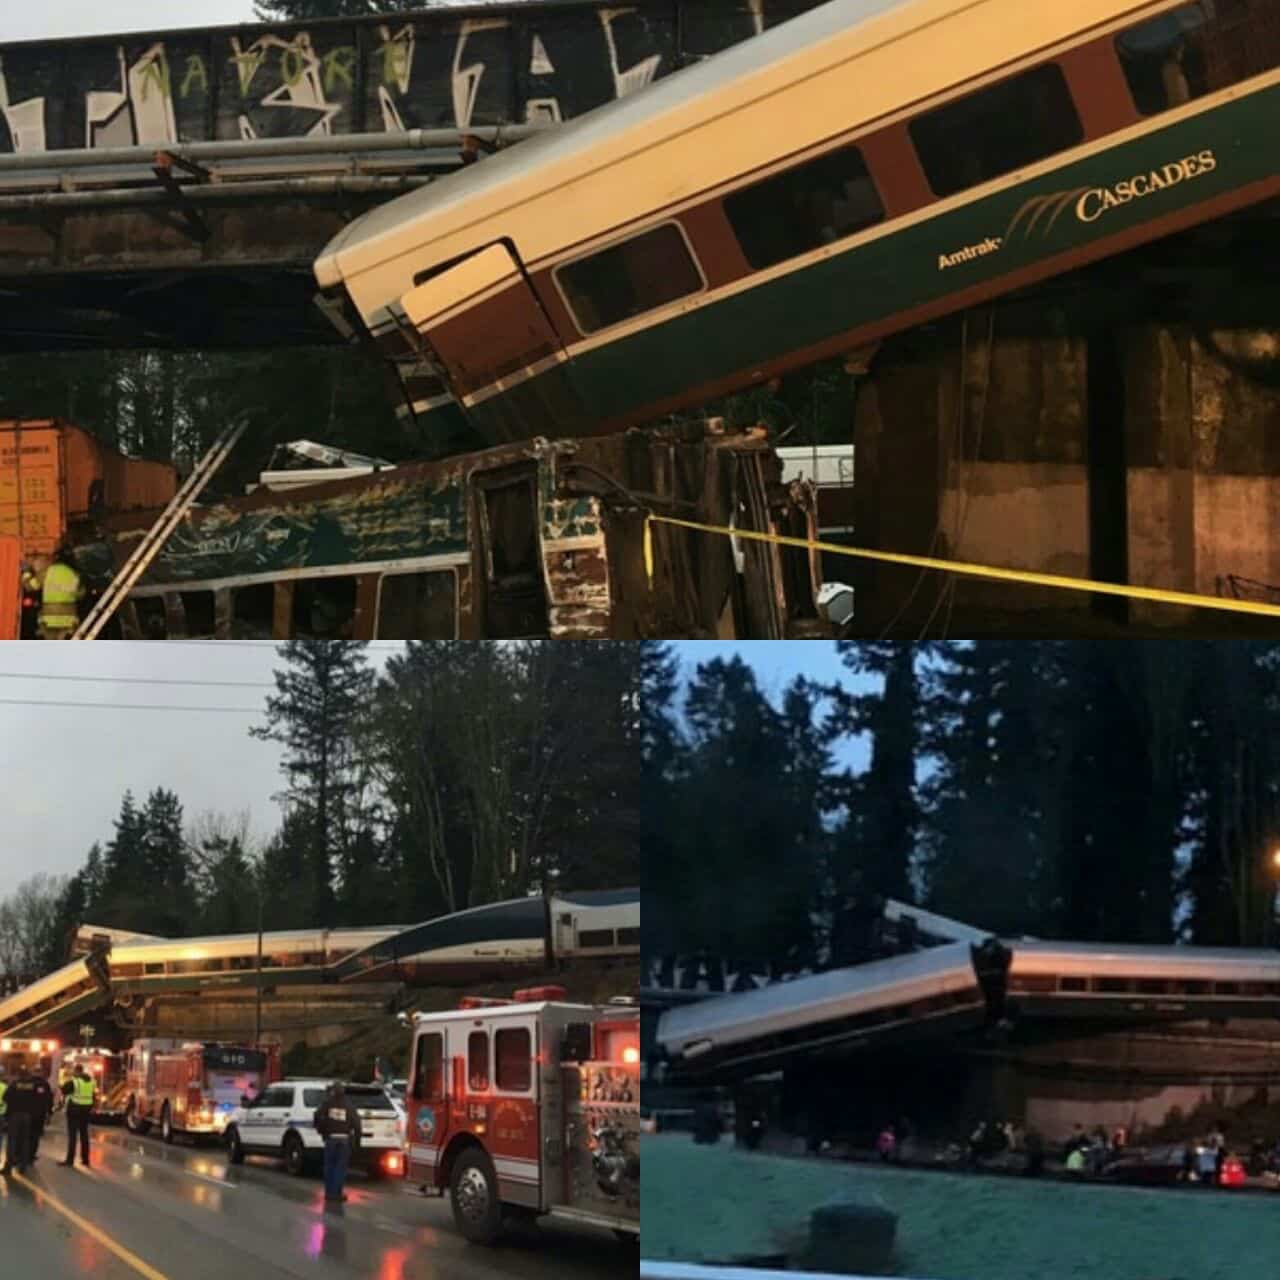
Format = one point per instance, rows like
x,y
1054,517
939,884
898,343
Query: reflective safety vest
x,y
61,591
83,1092
3,1087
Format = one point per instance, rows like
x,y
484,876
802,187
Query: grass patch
x,y
716,1204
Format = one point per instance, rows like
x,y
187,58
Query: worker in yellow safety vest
x,y
3,1087
81,1092
61,592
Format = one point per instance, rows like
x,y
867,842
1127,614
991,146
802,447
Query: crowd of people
x,y
28,1100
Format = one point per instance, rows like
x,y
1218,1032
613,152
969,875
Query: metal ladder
x,y
153,543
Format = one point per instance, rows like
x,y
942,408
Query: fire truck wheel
x,y
166,1124
133,1122
474,1193
295,1156
235,1148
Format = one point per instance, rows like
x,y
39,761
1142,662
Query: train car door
x,y
429,1126
510,585
506,364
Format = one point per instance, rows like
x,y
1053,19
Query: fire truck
x,y
526,1107
193,1087
107,1069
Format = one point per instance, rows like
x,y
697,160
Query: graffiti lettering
x,y
427,71
196,71
339,65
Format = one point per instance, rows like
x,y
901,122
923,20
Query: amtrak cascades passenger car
x,y
853,172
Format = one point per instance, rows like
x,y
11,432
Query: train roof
x,y
748,74
732,1018
1183,961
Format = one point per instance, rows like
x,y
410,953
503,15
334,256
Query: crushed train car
x,y
534,539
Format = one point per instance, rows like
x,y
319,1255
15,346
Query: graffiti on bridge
x,y
424,72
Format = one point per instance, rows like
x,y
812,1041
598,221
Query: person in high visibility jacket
x,y
61,590
80,1092
3,1086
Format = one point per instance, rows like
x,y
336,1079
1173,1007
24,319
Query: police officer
x,y
80,1092
21,1102
338,1123
44,1109
61,592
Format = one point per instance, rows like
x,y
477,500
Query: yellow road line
x,y
990,572
132,1259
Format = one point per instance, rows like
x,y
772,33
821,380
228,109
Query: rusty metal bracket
x,y
191,223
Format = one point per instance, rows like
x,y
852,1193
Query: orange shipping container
x,y
54,475
10,589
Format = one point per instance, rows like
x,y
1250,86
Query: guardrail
x,y
686,1271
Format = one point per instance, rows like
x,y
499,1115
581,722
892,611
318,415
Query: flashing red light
x,y
393,1162
631,1055
1232,1172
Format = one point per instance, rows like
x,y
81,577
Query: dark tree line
x,y
462,774
1120,792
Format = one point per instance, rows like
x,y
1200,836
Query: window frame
x,y
1002,82
495,1084
442,1065
483,1035
790,166
615,243
418,572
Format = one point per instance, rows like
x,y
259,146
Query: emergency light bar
x,y
28,1046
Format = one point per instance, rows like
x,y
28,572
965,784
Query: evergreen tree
x,y
166,866
322,692
125,896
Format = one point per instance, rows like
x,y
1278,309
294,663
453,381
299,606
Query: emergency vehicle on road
x,y
193,1087
106,1068
526,1107
279,1122
38,1055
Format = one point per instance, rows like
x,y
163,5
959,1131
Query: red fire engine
x,y
528,1106
107,1070
193,1087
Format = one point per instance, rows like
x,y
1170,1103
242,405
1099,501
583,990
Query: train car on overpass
x,y
852,173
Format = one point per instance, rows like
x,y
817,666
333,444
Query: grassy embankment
x,y
715,1204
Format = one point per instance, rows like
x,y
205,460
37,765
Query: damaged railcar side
x,y
535,539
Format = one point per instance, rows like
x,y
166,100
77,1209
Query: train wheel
x,y
166,1124
295,1156
474,1194
235,1148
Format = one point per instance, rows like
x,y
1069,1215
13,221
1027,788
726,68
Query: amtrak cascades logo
x,y
969,253
1089,204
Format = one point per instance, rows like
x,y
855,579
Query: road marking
x,y
132,1259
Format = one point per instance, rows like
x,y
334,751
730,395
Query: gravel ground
x,y
716,1204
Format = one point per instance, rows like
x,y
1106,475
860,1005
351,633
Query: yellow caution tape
x,y
990,572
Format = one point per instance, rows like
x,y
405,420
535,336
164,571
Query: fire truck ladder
x,y
153,543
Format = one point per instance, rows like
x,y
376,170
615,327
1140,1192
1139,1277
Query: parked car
x,y
280,1122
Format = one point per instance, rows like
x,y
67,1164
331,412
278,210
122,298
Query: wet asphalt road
x,y
185,1214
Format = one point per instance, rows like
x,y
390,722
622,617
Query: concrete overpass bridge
x,y
171,189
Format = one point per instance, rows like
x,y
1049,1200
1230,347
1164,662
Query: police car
x,y
280,1122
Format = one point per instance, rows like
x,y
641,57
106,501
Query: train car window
x,y
200,612
595,937
253,612
1196,49
628,937
478,1060
512,1055
815,203
325,608
418,606
996,130
641,274
428,1070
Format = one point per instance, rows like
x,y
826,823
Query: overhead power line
x,y
121,706
208,684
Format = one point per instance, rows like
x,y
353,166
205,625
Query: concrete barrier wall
x,y
455,69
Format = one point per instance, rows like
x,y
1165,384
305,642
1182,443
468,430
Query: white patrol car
x,y
280,1122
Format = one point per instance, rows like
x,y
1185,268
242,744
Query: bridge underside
x,y
238,278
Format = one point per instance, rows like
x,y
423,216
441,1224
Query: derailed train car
x,y
534,539
852,173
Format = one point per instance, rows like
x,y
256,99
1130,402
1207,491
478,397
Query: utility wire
x,y
121,706
208,684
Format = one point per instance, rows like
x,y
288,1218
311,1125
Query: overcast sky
x,y
64,769
105,17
